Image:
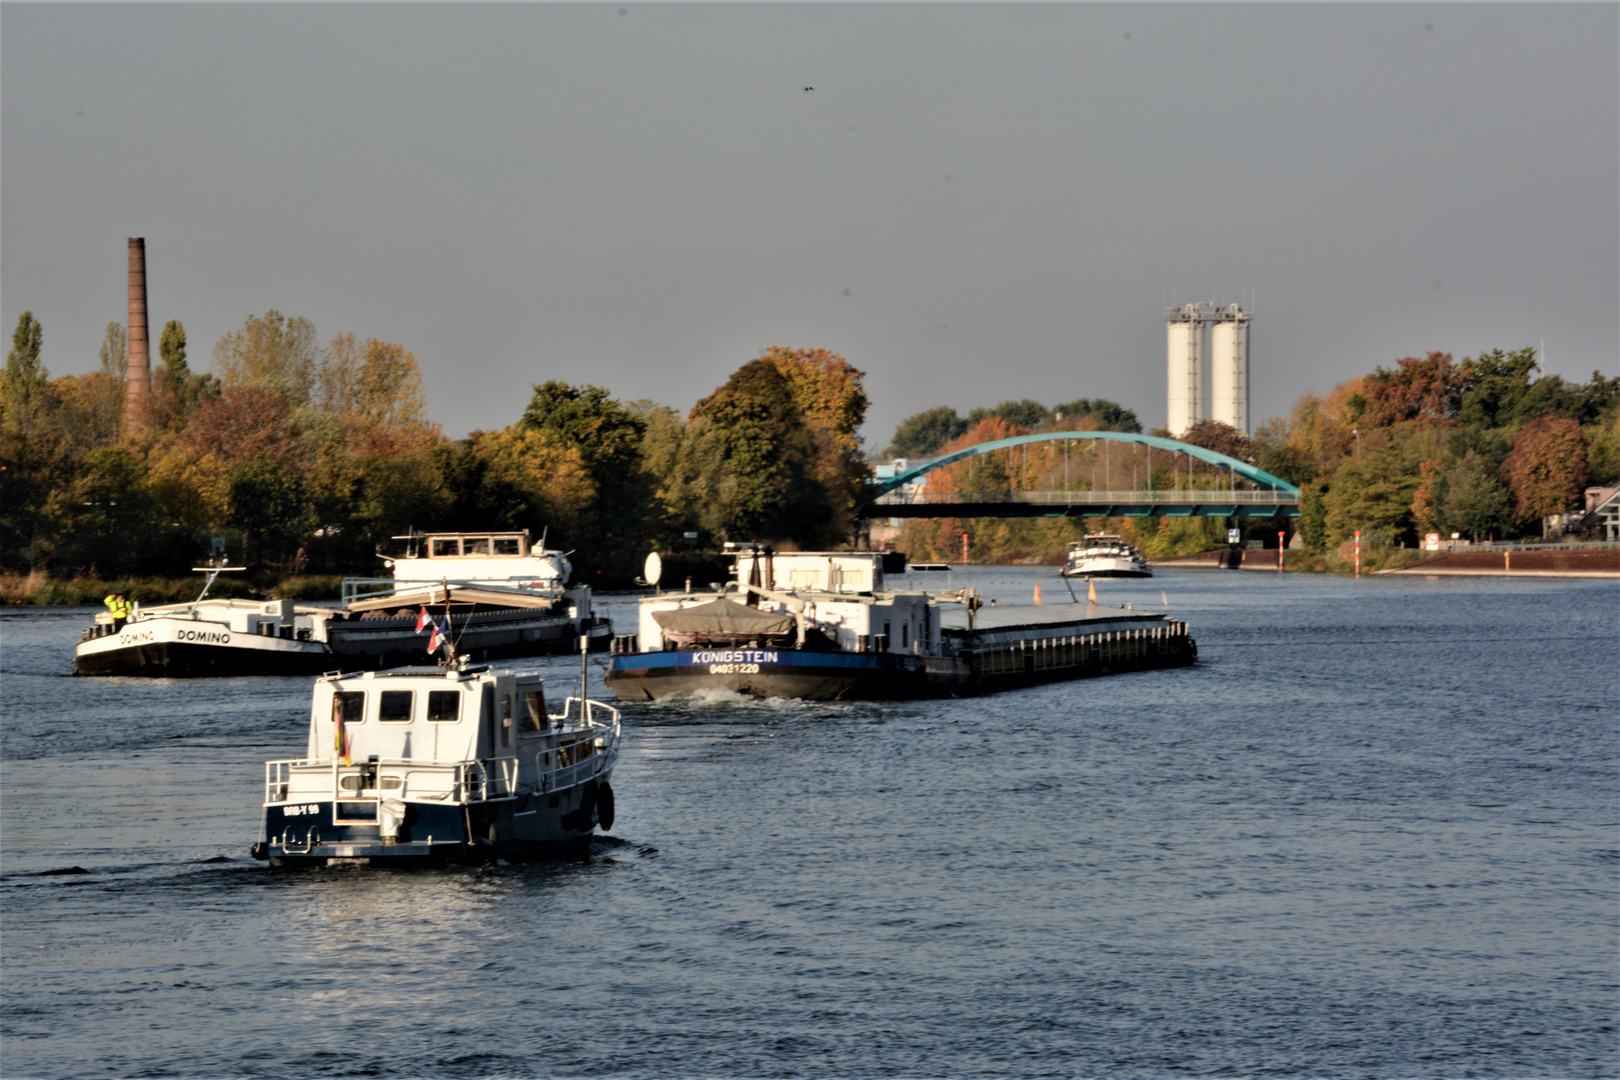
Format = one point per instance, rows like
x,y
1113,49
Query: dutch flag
x,y
423,621
441,631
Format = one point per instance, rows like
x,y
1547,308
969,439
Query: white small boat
x,y
1104,555
455,764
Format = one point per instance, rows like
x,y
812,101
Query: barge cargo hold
x,y
828,630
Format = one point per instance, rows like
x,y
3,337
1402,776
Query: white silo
x,y
1184,349
1229,367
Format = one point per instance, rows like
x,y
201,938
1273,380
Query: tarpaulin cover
x,y
724,618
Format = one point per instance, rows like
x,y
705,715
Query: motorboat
x,y
1103,555
461,763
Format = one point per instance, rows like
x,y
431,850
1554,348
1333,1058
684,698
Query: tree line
x,y
310,457
1486,447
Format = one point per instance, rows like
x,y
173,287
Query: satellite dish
x,y
653,569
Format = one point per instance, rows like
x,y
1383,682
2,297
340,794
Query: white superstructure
x,y
501,559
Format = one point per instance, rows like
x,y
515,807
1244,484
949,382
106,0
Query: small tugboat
x,y
822,626
1103,555
501,599
459,763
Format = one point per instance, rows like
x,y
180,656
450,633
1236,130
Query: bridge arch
x,y
1239,468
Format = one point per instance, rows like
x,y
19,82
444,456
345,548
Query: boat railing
x,y
458,781
602,727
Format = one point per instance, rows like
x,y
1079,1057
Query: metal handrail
x,y
1087,498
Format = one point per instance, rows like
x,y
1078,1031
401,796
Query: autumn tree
x,y
1221,438
1546,472
1429,389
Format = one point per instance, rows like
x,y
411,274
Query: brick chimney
x,y
139,387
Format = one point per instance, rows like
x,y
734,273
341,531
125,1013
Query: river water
x,y
1372,833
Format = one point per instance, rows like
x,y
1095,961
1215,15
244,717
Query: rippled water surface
x,y
1372,833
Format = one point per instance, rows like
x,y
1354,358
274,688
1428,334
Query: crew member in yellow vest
x,y
119,606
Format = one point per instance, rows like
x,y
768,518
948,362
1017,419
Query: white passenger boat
x,y
455,764
1104,555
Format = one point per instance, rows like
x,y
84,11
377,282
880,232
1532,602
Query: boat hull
x,y
186,648
519,828
984,661
183,649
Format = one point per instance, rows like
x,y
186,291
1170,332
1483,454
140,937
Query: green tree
x,y
616,523
758,472
1475,502
1107,415
274,353
1024,414
27,384
1313,511
114,353
922,434
271,507
177,390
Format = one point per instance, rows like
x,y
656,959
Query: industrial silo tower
x,y
1229,367
1184,339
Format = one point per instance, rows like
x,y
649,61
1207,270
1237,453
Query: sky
x,y
974,203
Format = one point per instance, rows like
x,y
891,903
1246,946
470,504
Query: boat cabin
x,y
482,558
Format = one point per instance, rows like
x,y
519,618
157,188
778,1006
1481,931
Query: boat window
x,y
395,706
391,783
534,712
352,782
445,545
506,720
349,706
575,752
444,706
508,545
475,546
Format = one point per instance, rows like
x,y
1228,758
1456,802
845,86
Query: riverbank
x,y
1601,562
21,590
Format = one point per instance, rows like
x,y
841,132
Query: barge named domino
x,y
824,626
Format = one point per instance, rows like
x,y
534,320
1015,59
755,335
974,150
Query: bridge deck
x,y
1180,503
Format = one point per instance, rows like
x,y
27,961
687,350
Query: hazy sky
x,y
974,203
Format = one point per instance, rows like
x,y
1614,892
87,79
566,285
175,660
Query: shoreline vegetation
x,y
20,591
309,459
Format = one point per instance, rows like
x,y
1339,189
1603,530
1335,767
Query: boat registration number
x,y
733,669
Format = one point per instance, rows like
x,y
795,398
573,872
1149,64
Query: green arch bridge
x,y
1224,487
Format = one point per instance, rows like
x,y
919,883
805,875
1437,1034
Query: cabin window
x,y
349,706
444,546
575,752
395,706
444,706
391,783
506,720
534,712
475,546
508,545
905,635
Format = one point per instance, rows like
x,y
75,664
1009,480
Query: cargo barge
x,y
821,626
